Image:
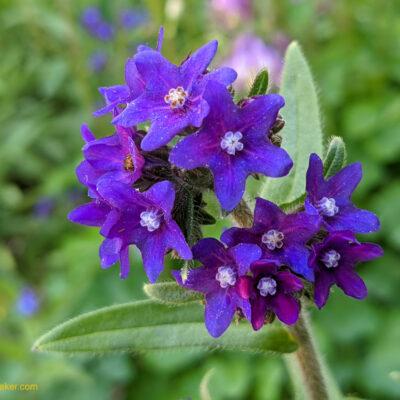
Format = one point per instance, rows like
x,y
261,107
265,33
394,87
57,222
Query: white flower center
x,y
331,259
327,206
150,219
226,276
231,142
273,239
176,98
267,286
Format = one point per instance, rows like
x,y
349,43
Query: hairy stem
x,y
307,360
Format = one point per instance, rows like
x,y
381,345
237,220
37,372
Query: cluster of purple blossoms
x,y
178,134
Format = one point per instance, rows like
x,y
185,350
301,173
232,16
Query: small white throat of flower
x,y
327,206
267,286
273,239
176,97
150,219
226,276
231,142
331,259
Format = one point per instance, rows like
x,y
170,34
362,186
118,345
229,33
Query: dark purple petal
x,y
354,219
342,185
113,95
259,307
286,308
87,134
125,263
111,220
289,282
297,259
133,79
175,240
162,195
210,252
219,312
300,227
153,251
118,194
198,62
109,251
197,112
364,252
244,287
351,283
194,151
323,283
234,236
223,75
91,214
244,255
267,214
199,279
264,267
315,176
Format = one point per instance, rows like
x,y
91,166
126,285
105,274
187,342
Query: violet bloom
x,y
217,278
143,219
98,61
173,96
248,56
233,143
134,83
334,261
231,12
332,198
282,237
92,20
115,155
271,290
28,302
131,18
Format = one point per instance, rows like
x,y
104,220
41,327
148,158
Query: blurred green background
x,y
49,269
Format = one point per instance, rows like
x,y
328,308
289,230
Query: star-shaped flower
x,y
333,261
143,219
332,198
233,143
173,96
282,237
217,278
270,289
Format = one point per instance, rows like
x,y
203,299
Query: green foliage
x,y
260,84
170,293
302,134
147,325
335,157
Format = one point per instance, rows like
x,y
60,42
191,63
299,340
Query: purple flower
x,y
134,87
131,18
217,278
173,96
92,20
282,237
333,262
143,219
115,155
98,61
231,12
249,55
233,143
271,289
28,302
332,198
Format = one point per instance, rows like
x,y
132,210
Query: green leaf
x,y
335,158
146,326
302,134
260,84
170,293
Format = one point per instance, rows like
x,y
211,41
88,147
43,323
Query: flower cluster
x,y
179,133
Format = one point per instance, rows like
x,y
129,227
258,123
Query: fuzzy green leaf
x,y
147,326
260,84
170,293
335,158
302,134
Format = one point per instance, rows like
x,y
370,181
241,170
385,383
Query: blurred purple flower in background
x,y
44,207
249,55
92,20
231,12
28,302
98,61
131,18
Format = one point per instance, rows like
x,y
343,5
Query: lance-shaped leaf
x,y
335,158
260,84
171,293
147,326
302,134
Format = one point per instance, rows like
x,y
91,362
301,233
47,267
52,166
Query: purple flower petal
x,y
91,214
210,252
219,312
323,283
109,251
297,258
259,307
286,308
175,240
244,255
351,283
224,75
163,195
342,185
